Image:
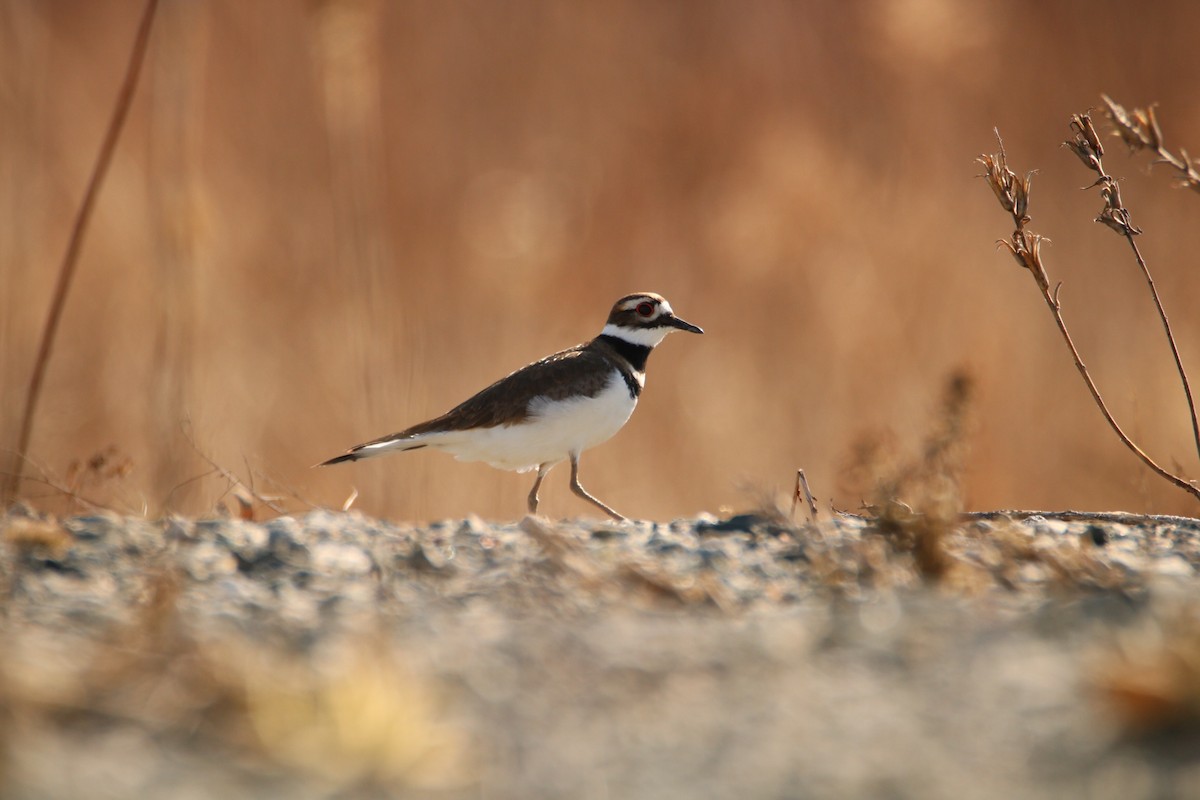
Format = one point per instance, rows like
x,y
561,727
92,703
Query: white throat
x,y
646,337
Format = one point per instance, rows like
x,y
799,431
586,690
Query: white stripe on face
x,y
646,337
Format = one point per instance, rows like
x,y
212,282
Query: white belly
x,y
553,430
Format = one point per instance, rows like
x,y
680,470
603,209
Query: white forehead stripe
x,y
661,305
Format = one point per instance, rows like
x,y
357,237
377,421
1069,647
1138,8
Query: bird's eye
x,y
645,309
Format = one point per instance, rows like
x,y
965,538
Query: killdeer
x,y
553,409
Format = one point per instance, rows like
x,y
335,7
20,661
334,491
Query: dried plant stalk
x,y
1086,145
66,271
1140,130
1013,193
802,488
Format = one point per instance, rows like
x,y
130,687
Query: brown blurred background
x,y
329,220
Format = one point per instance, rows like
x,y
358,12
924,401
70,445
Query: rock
x,y
205,561
1173,565
246,540
285,540
340,560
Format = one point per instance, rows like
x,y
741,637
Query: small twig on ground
x,y
65,488
188,482
73,496
1085,143
1025,246
1139,129
233,480
66,270
288,489
802,486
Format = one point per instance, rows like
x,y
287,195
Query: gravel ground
x,y
333,655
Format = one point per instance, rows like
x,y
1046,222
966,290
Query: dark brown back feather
x,y
580,369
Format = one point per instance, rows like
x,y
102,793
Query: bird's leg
x,y
537,484
578,489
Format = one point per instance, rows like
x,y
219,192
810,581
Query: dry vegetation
x,y
1026,247
325,221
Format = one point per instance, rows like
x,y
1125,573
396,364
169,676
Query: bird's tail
x,y
375,448
339,459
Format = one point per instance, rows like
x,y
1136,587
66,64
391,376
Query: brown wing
x,y
578,370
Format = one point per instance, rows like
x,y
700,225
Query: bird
x,y
552,410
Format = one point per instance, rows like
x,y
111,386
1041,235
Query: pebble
x,y
1174,566
205,561
340,560
245,540
1056,527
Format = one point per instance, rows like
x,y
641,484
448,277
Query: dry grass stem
x,y
917,503
802,486
1085,143
1140,130
1025,247
242,492
78,480
66,271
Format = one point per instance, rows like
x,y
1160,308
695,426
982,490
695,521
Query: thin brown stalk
x,y
802,487
1183,377
291,490
1086,144
233,481
1025,246
1056,310
66,271
62,488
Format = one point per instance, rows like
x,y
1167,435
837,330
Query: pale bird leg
x,y
537,484
578,489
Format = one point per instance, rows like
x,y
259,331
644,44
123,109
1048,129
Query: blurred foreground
x,y
338,656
